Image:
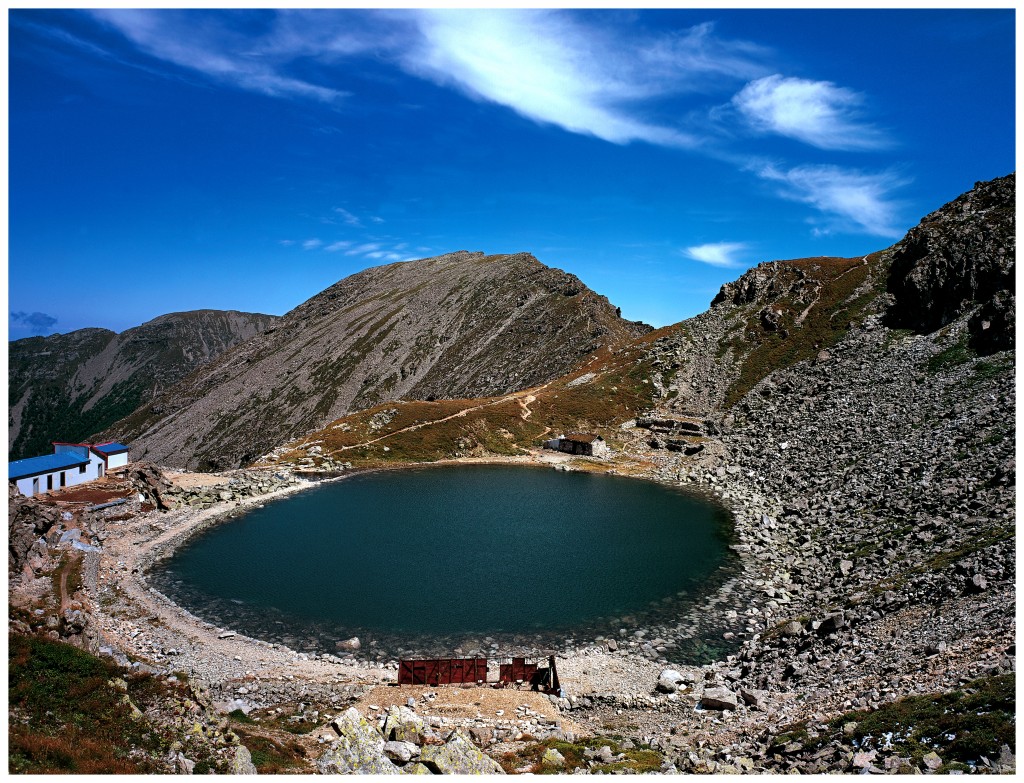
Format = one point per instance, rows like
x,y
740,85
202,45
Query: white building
x,y
69,465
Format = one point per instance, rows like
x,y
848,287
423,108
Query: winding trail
x,y
523,398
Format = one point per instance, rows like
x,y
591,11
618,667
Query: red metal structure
x,y
442,671
453,671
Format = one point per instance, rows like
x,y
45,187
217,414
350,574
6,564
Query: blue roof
x,y
35,466
110,448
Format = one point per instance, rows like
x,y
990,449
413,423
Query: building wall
x,y
72,477
117,461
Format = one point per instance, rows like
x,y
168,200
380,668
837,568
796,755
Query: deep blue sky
x,y
176,160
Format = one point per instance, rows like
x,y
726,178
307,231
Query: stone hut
x,y
585,444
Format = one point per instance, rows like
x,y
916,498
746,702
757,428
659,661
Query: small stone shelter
x,y
69,465
585,444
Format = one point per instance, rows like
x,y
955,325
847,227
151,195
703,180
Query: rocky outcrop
x,y
958,257
362,749
66,387
458,325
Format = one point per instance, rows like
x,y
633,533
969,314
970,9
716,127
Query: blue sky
x,y
162,161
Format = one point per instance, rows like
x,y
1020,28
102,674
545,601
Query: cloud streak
x,y
856,201
720,254
211,49
817,113
549,67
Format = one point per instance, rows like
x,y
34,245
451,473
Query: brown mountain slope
x,y
458,325
68,386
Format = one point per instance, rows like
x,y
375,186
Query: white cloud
x,y
311,244
213,49
550,67
722,254
860,201
336,246
818,113
362,250
348,217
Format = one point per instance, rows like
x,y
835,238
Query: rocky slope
x,y
458,325
69,386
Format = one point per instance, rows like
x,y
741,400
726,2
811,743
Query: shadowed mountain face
x,y
458,325
68,386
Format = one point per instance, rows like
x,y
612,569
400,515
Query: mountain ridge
x,y
461,324
68,386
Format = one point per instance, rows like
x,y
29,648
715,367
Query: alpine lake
x,y
458,560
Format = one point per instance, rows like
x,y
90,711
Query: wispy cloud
x,y
856,200
334,247
311,244
363,249
550,67
35,323
348,218
211,48
721,254
818,113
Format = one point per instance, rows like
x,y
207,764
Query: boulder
x,y
359,749
670,681
240,762
459,756
400,752
403,725
718,698
552,759
349,644
754,699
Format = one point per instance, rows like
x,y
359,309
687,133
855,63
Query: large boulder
x,y
670,681
240,762
459,756
359,749
403,725
719,698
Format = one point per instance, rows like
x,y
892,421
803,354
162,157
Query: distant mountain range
x,y
69,386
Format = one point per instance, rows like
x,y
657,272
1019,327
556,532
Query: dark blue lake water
x,y
449,555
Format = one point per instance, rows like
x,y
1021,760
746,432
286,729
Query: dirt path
x,y
523,398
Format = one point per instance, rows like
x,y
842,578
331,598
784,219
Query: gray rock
x,y
359,749
670,681
400,752
240,762
552,759
718,698
404,725
459,756
349,644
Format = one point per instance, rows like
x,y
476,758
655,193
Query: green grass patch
x,y
67,717
957,354
961,726
272,756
